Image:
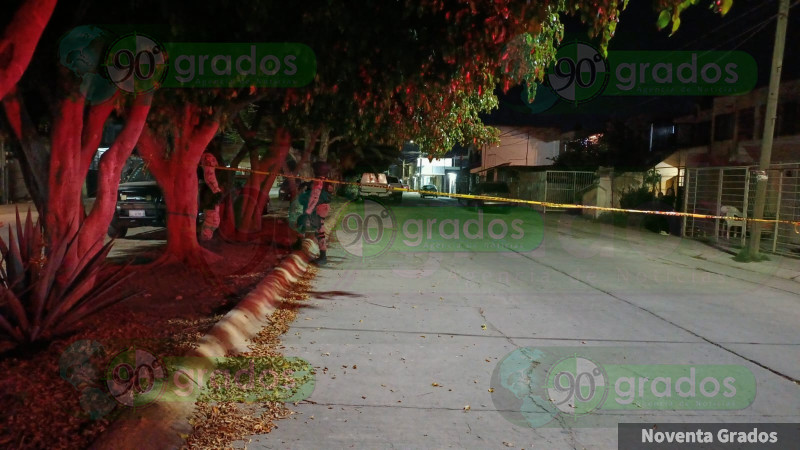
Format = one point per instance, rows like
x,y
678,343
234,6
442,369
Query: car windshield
x,y
378,178
136,170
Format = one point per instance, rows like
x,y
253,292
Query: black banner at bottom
x,y
706,436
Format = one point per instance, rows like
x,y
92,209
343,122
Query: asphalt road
x,y
423,349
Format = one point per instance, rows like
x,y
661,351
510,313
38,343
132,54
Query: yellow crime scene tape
x,y
795,224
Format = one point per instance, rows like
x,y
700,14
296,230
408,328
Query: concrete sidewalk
x,y
407,345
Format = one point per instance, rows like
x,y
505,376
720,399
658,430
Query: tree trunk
x,y
256,191
176,173
92,234
75,136
227,226
180,195
19,41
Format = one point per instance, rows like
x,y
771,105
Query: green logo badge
x,y
136,63
369,229
584,387
579,74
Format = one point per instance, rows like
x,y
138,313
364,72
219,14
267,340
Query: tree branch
x,y
19,41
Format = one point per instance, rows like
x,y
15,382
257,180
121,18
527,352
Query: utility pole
x,y
769,126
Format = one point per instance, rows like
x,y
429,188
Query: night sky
x,y
749,26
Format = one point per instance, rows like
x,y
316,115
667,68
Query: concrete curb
x,y
162,424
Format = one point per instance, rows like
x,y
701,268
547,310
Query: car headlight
x,y
148,198
123,197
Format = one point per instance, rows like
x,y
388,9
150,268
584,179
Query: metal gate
x,y
725,191
562,186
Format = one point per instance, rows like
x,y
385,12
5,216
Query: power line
x,y
725,24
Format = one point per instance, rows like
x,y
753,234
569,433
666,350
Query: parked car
x,y
394,182
489,189
140,201
429,188
374,185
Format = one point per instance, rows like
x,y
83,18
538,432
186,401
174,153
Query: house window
x,y
745,124
723,127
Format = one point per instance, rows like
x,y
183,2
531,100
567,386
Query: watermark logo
x,y
681,73
136,378
81,51
369,229
240,64
555,386
579,74
136,63
577,385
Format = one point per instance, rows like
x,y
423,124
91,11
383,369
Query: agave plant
x,y
37,300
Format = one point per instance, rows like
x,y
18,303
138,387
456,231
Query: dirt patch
x,y
220,424
55,396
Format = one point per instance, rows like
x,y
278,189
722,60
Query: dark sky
x,y
749,26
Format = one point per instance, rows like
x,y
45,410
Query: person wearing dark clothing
x,y
315,203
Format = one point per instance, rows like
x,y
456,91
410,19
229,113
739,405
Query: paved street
x,y
411,347
404,342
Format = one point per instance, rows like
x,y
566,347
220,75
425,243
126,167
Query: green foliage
x,y
746,256
636,197
652,178
643,198
34,304
670,11
277,379
583,154
349,191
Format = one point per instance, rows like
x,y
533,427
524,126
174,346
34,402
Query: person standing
x,y
210,197
316,203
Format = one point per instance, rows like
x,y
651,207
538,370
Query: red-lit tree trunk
x,y
227,226
93,231
255,193
74,139
174,165
19,41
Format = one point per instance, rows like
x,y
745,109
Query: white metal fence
x,y
730,191
555,186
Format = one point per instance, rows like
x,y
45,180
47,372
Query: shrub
x,y
643,199
37,302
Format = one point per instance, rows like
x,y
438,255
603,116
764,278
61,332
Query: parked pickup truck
x,y
375,185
